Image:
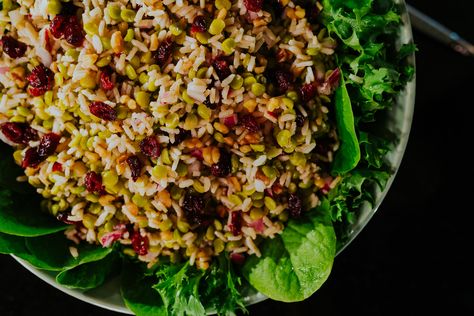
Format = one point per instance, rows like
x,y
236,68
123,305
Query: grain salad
x,y
175,128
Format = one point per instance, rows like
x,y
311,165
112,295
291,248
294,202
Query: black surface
x,y
414,256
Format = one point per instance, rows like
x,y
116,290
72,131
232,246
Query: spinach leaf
x,y
348,155
12,245
19,204
20,216
292,267
179,289
138,293
90,275
51,252
16,245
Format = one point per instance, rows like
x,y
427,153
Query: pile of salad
x,y
201,150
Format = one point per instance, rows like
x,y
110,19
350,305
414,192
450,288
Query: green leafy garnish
x,y
52,252
292,267
20,205
348,155
374,149
220,287
374,70
90,275
20,216
138,293
186,290
355,189
12,245
178,287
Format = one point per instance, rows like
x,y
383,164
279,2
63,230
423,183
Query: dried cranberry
x,y
164,51
140,243
41,79
93,183
57,26
103,111
150,147
253,5
105,79
299,119
199,25
18,133
32,158
237,258
47,147
250,123
282,80
181,136
69,26
13,47
294,205
231,121
193,203
194,208
73,32
197,153
57,167
136,166
308,91
235,225
221,67
224,167
48,144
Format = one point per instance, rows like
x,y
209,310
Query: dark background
x,y
415,256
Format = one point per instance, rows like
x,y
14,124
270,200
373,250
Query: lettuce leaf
x,y
374,149
178,287
186,290
375,69
355,189
220,287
